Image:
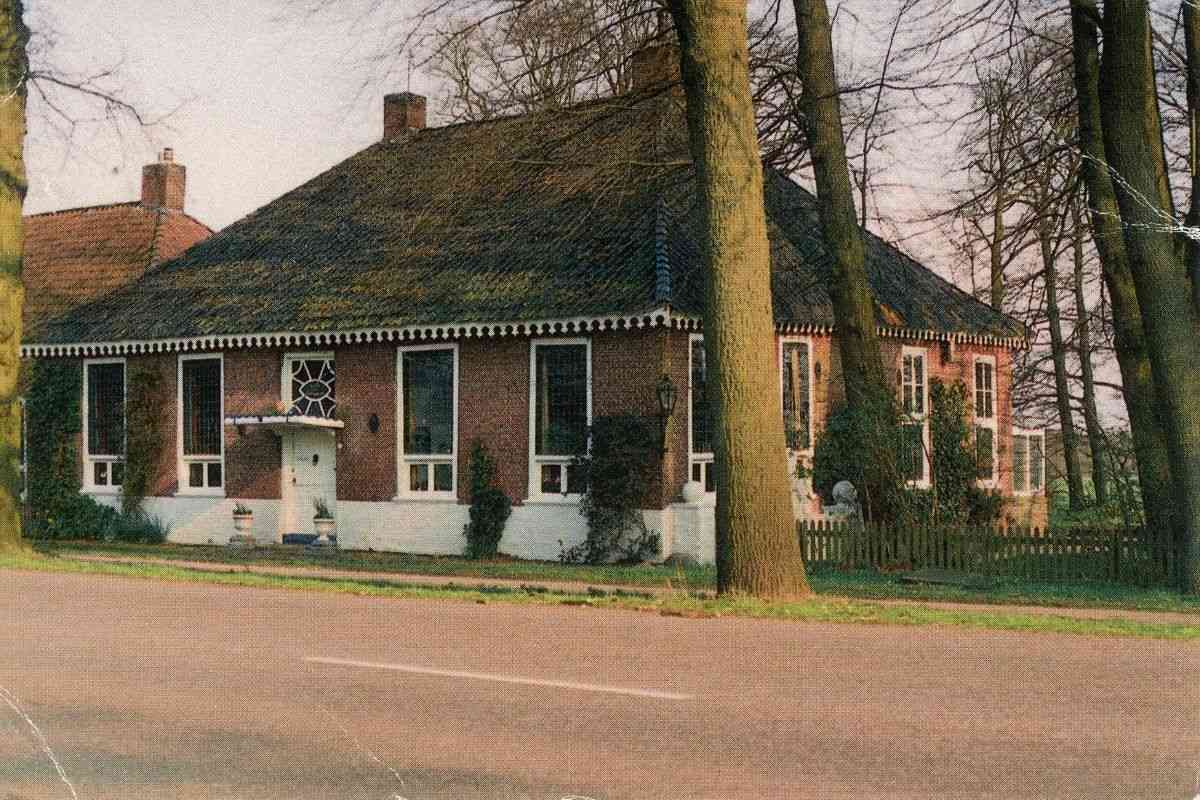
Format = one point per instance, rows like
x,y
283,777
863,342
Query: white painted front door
x,y
310,472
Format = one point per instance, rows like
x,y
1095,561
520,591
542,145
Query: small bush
x,y
617,472
140,527
490,506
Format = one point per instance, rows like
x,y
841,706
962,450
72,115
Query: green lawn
x,y
860,584
818,609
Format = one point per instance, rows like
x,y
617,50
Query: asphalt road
x,y
144,689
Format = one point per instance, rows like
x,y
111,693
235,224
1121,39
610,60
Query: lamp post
x,y
667,395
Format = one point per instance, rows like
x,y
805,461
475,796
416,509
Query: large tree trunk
x,y
1058,352
853,307
758,552
1132,139
14,37
1083,343
1137,383
1191,38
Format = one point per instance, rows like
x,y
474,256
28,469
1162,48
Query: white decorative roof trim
x,y
658,317
1013,342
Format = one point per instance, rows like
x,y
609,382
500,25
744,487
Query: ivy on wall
x,y
53,424
144,435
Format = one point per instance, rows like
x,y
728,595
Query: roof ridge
x,y
82,209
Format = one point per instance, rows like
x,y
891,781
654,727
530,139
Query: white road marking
x,y
485,676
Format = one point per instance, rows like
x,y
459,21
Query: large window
x,y
986,466
795,371
1029,462
428,406
201,463
914,394
701,456
560,400
104,391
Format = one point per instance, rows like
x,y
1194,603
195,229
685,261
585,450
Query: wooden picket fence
x,y
1123,555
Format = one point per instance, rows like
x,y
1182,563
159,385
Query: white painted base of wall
x,y
534,531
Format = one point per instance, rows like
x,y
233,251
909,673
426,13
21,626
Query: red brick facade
x,y
493,408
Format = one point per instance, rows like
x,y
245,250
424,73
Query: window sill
x,y
418,498
553,500
101,491
200,493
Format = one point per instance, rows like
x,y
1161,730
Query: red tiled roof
x,y
81,254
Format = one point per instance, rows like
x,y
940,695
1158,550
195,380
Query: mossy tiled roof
x,y
581,212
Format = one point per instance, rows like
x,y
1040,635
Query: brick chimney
x,y
654,66
164,183
402,113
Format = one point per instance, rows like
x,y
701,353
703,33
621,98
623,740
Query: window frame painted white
x,y
285,377
702,460
403,490
1029,434
921,418
535,461
807,341
183,462
991,423
89,461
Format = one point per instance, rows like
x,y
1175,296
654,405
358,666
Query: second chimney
x,y
164,183
402,113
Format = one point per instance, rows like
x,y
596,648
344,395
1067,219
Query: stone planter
x,y
693,492
243,523
325,528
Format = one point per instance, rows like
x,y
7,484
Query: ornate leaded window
x,y
313,387
561,414
797,405
701,455
427,420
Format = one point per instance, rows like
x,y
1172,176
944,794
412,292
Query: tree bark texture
x,y
1191,38
1133,141
1083,343
14,38
758,552
1133,359
1058,353
853,306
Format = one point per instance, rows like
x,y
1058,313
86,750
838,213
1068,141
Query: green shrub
x,y
139,527
618,472
490,506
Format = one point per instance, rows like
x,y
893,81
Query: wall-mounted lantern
x,y
373,423
667,395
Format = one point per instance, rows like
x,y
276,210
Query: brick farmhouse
x,y
502,282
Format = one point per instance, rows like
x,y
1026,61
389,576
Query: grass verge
x,y
859,584
818,609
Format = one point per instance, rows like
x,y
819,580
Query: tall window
x,y
201,462
427,411
701,457
104,388
561,402
313,385
797,404
914,402
1028,461
985,420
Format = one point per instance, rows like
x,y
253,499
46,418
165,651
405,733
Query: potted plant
x,y
243,523
323,521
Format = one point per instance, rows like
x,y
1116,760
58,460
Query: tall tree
x,y
1132,131
1133,359
757,549
1083,346
853,307
14,73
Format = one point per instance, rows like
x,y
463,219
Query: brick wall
x,y
252,458
366,386
493,401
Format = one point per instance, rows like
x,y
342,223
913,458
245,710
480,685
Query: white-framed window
x,y
201,432
914,404
560,412
1029,461
310,384
104,424
795,375
987,465
427,408
700,447
24,467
